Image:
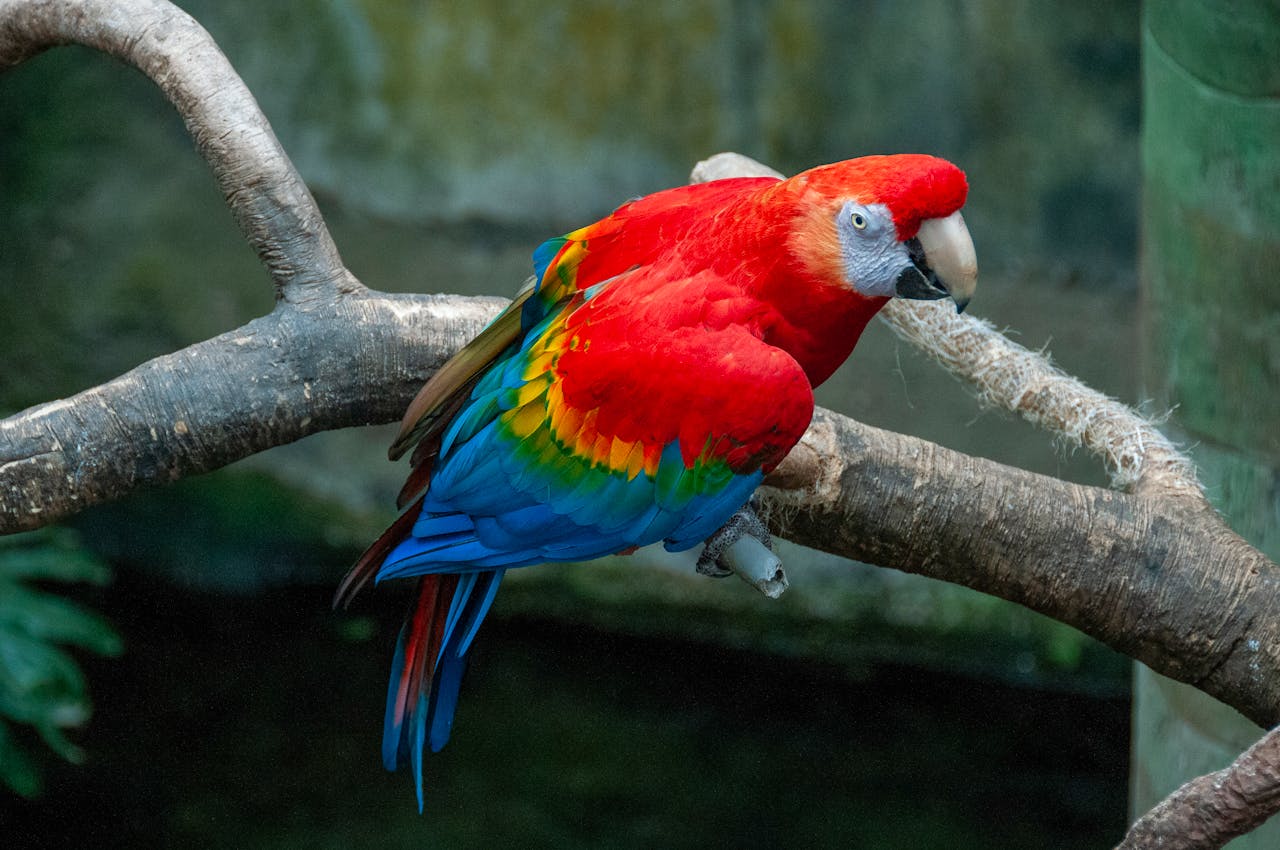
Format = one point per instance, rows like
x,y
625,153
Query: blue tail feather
x,y
477,597
461,596
391,728
487,588
420,712
444,701
416,720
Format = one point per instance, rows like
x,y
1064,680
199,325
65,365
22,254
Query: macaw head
x,y
891,226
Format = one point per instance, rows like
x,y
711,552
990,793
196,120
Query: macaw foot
x,y
743,546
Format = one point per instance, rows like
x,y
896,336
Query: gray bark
x,y
1153,571
1210,810
352,359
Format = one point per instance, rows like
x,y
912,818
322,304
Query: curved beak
x,y
944,263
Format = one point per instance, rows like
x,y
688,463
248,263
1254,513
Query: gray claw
x,y
744,523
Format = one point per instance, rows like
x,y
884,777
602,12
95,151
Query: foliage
x,y
41,686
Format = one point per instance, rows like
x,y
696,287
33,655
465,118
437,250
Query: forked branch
x,y
1153,571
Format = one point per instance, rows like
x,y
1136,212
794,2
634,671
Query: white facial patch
x,y
869,247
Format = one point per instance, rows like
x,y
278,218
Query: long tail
x,y
430,658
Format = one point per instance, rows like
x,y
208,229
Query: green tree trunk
x,y
1211,277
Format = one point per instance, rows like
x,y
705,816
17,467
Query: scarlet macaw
x,y
658,364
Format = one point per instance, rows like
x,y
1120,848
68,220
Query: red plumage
x,y
664,363
740,279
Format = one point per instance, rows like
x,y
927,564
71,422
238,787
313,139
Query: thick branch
x,y
1179,591
1160,579
271,204
273,381
1154,573
1210,810
1164,582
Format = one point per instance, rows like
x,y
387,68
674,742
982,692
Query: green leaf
x,y
36,679
41,684
53,736
54,619
53,563
55,554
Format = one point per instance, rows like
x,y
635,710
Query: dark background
x,y
621,704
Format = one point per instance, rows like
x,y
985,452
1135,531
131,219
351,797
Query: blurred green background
x,y
617,704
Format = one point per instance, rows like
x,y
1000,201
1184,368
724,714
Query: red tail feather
x,y
367,567
425,636
423,461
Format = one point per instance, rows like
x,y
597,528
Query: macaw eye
x,y
859,221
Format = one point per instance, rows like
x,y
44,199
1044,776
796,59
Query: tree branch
x,y
271,204
348,356
1154,572
1159,579
294,372
1210,810
1009,377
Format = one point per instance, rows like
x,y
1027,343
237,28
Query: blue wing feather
x,y
711,511
544,254
497,501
